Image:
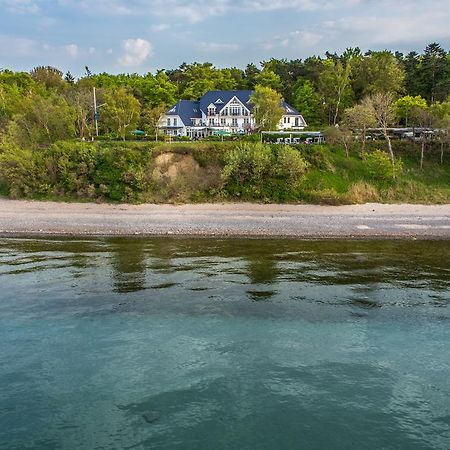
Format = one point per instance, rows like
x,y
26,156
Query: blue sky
x,y
146,35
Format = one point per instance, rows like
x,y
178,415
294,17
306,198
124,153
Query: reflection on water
x,y
128,263
215,343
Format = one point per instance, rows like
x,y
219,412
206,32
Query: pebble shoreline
x,y
33,218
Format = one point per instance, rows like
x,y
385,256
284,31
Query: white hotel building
x,y
218,112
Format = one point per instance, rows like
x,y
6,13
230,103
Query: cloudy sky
x,y
146,35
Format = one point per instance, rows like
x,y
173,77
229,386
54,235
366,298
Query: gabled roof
x,y
290,111
187,110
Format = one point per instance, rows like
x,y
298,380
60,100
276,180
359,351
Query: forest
x,y
47,120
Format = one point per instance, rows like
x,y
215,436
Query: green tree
x,y
405,106
435,73
69,78
334,86
251,72
267,108
43,120
378,72
200,78
150,118
383,110
163,91
359,118
288,71
307,101
411,66
50,77
441,114
121,111
269,79
81,100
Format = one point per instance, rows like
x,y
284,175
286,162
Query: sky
x,y
127,36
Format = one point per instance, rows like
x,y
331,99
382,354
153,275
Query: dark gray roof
x,y
290,111
187,110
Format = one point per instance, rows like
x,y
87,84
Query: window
x,y
296,121
211,110
175,122
211,122
222,121
234,122
168,122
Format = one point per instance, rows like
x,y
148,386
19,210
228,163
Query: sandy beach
x,y
228,219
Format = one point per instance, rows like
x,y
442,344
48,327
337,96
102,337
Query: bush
x,y
290,165
380,167
259,172
246,167
23,172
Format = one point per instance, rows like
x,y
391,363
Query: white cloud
x,y
215,47
430,25
160,27
299,40
111,7
300,5
200,10
17,46
136,51
20,6
91,50
46,22
72,50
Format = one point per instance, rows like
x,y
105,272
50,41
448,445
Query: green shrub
x,y
258,171
290,165
380,167
123,171
247,163
23,172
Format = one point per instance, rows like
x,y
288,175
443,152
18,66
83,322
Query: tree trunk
x,y
422,151
391,152
364,140
442,153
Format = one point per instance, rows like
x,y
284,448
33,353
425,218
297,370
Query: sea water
x,y
224,344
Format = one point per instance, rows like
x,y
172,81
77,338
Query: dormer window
x,y
211,110
218,101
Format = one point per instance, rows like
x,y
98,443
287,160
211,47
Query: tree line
x,y
354,90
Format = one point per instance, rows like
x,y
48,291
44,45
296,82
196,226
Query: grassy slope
x,y
333,178
346,180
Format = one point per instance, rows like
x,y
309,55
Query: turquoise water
x,y
224,344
